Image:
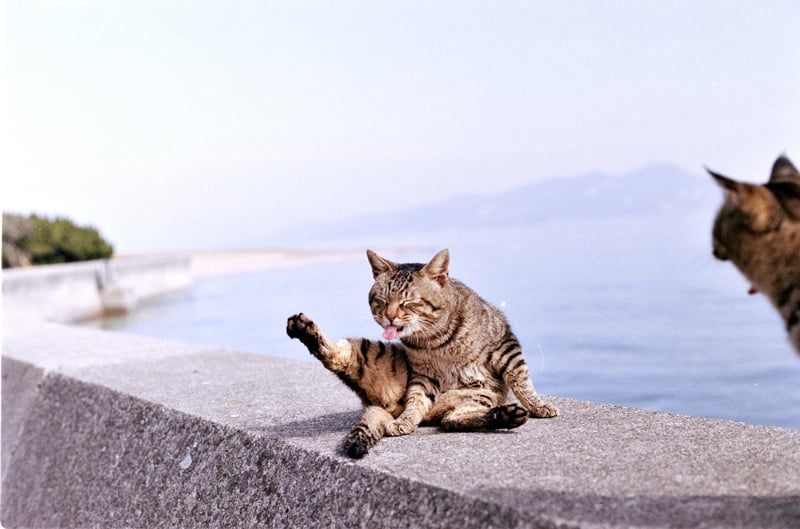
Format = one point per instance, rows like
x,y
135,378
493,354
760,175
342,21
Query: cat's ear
x,y
787,193
438,268
784,171
379,264
734,191
758,204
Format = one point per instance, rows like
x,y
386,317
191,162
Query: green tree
x,y
39,240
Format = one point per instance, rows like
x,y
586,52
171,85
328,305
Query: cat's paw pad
x,y
397,427
299,326
356,448
360,440
544,411
508,416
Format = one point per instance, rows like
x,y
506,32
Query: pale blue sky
x,y
172,124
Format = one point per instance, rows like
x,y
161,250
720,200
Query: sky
x,y
202,125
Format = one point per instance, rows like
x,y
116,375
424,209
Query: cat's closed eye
x,y
378,303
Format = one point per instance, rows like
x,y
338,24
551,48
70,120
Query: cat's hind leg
x,y
503,417
509,365
475,410
520,383
367,431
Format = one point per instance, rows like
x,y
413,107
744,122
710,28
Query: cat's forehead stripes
x,y
403,276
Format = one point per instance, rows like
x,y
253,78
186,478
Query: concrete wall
x,y
79,291
108,430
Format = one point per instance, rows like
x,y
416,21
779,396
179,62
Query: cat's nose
x,y
392,312
719,251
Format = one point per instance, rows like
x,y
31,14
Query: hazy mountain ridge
x,y
657,189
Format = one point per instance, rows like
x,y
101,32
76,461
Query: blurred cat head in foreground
x,y
758,230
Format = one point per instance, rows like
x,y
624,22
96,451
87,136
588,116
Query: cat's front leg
x,y
420,394
338,357
367,431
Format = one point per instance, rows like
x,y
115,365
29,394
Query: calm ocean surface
x,y
632,311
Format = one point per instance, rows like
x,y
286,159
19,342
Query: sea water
x,y
631,311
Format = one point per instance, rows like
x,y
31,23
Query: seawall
x,y
80,291
109,430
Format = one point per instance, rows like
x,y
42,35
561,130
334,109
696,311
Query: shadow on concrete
x,y
690,511
341,423
316,426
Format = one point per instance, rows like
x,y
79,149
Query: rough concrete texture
x,y
108,430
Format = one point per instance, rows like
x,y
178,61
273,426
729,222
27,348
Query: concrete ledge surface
x,y
108,430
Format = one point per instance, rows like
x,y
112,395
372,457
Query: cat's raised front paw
x,y
399,427
299,325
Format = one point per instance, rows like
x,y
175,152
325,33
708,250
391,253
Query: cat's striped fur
x,y
454,365
376,371
758,229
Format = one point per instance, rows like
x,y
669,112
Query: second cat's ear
x,y
734,191
379,264
438,268
758,204
784,171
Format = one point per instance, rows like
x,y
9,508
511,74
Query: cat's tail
x,y
366,432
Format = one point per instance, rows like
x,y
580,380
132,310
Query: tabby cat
x,y
758,229
453,366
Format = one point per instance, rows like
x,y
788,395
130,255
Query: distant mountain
x,y
658,189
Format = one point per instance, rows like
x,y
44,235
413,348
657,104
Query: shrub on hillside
x,y
39,240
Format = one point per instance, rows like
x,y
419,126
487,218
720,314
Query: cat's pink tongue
x,y
390,332
752,291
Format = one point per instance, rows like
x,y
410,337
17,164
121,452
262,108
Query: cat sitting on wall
x,y
453,366
758,230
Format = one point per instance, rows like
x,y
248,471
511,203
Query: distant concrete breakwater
x,y
81,291
102,429
74,292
